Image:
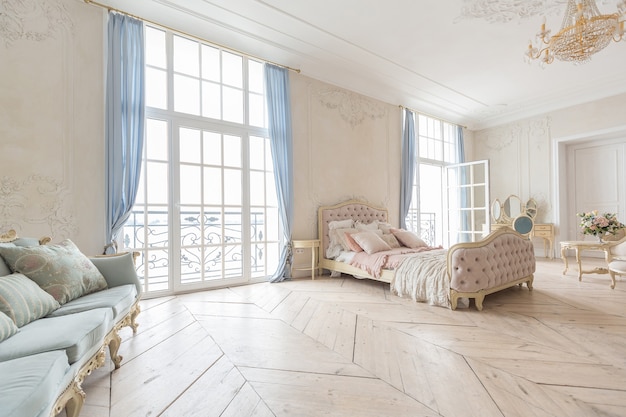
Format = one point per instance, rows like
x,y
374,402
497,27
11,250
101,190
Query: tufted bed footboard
x,y
501,260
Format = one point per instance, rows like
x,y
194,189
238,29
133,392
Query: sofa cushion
x,y
23,301
120,299
118,269
76,334
30,385
60,269
7,327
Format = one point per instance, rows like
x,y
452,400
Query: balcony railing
x,y
211,244
423,224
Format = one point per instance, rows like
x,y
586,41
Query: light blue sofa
x,y
43,365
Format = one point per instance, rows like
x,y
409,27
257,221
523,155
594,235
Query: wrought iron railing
x,y
424,224
211,247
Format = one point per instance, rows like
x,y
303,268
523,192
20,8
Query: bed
x,y
441,277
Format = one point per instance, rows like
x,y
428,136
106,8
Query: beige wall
x,y
51,123
524,155
345,146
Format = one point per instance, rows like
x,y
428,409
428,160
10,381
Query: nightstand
x,y
314,246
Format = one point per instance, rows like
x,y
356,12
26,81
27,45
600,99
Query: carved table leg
x,y
564,257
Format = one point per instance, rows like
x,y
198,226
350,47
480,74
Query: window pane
x,y
156,88
232,71
232,105
155,47
210,63
213,186
257,188
190,226
256,105
232,225
257,152
186,94
232,186
190,150
233,262
257,225
212,148
156,139
211,100
213,226
156,172
255,76
190,184
186,56
158,233
232,151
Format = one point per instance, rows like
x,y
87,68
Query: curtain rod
x,y
431,116
109,8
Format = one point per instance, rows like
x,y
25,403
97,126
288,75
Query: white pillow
x,y
385,227
370,242
367,226
341,224
408,239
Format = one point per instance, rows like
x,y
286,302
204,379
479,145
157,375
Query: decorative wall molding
x,y
502,11
34,20
353,108
36,200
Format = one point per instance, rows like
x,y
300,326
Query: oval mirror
x,y
531,208
523,224
512,207
496,210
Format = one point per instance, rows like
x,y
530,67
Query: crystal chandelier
x,y
583,33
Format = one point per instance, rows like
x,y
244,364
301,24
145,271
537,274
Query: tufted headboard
x,y
352,209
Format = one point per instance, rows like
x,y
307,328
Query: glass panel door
x,y
467,201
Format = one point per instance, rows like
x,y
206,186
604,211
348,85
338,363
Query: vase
x,y
600,238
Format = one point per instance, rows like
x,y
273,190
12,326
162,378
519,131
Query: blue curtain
x,y
463,179
408,165
124,127
460,145
279,116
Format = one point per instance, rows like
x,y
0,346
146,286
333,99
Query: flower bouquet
x,y
599,225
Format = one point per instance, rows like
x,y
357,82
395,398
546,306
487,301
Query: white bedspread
x,y
423,277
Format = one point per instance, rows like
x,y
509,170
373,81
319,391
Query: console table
x,y
580,245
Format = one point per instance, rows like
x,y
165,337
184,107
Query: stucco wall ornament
x,y
17,208
501,11
35,20
352,108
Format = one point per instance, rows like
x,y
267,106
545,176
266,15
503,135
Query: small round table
x,y
580,245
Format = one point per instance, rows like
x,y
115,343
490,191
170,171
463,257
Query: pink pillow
x,y
408,239
370,242
354,247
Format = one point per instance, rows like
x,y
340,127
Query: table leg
x,y
580,269
312,263
564,257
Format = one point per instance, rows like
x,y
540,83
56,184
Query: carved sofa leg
x,y
113,340
134,312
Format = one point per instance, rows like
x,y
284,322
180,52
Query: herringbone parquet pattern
x,y
346,347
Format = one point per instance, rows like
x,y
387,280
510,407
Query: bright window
x,y
206,213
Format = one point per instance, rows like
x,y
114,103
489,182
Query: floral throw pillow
x,y
59,269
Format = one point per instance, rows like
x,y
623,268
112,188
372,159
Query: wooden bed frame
x,y
515,263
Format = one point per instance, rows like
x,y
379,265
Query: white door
x,y
595,176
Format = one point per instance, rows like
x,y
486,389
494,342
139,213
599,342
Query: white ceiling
x,y
460,60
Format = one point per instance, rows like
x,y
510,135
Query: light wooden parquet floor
x,y
347,347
